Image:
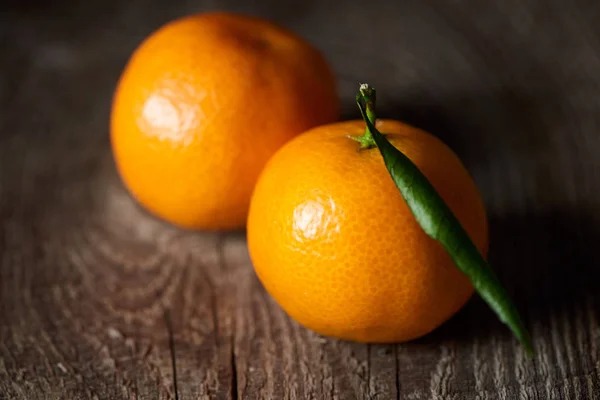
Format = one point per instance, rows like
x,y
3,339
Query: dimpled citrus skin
x,y
201,106
334,243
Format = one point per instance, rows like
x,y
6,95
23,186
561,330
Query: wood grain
x,y
98,298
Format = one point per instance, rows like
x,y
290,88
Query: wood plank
x,y
97,297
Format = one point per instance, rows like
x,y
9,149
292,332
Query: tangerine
x,y
335,244
201,106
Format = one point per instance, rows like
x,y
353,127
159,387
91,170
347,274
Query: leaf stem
x,y
367,94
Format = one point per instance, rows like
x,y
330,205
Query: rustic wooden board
x,y
97,298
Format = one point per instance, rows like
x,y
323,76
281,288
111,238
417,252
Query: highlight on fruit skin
x,y
335,244
203,103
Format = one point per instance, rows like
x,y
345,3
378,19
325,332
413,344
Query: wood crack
x,y
169,324
397,360
234,382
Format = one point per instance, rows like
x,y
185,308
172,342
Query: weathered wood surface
x,y
86,276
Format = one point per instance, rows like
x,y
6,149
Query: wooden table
x,y
98,300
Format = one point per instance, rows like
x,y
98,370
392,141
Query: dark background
x,y
86,276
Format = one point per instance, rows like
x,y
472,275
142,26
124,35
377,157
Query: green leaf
x,y
438,221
